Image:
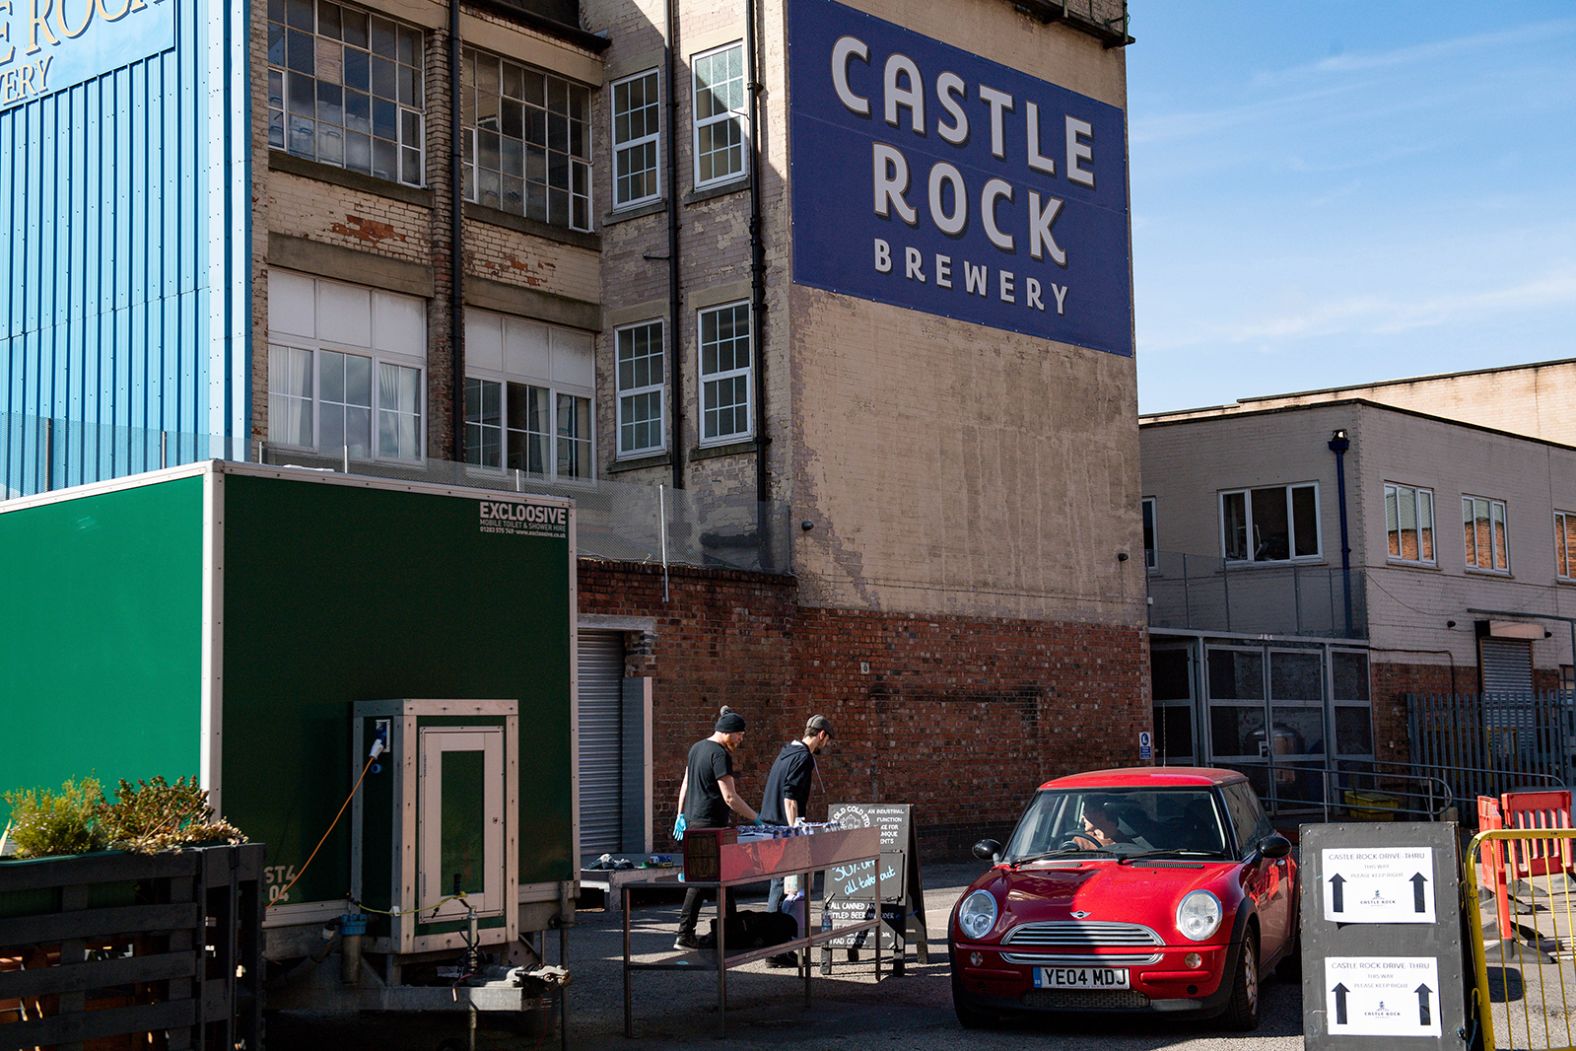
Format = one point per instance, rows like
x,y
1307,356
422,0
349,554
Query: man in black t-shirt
x,y
788,785
706,799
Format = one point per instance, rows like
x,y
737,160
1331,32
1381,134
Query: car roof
x,y
1147,777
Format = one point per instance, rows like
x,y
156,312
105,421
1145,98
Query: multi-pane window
x,y
1565,545
640,367
1487,542
725,365
345,88
1151,559
523,427
719,114
527,396
526,143
637,143
345,367
1274,523
1409,523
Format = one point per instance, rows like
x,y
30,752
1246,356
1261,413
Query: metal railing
x,y
1207,593
618,521
1349,789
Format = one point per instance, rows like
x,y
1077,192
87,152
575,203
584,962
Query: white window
x,y
1409,524
719,115
345,87
345,368
640,394
528,391
1487,542
725,374
1151,556
637,139
1276,523
526,143
1565,545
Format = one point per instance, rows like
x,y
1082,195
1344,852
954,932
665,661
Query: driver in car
x,y
1101,830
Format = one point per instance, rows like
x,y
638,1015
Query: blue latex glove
x,y
757,822
679,825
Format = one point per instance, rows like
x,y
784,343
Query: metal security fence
x,y
1207,593
1490,744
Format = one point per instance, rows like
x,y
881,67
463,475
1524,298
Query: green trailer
x,y
269,629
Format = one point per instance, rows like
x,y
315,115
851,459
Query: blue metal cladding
x,y
124,267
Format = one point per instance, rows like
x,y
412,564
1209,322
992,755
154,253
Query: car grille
x,y
1064,934
1081,959
1085,999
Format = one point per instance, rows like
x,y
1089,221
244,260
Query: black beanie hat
x,y
730,722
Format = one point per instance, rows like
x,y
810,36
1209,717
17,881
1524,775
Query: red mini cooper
x,y
1150,889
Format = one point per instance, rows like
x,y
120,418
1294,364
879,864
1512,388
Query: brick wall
x,y
1391,681
960,716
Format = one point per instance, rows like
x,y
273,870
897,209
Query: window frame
x,y
1433,525
739,115
702,377
400,140
1291,524
555,388
470,137
1563,534
617,148
1469,564
659,388
316,348
1150,507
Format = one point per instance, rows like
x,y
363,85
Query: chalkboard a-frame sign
x,y
854,892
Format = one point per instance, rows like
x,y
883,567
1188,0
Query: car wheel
x,y
1242,1013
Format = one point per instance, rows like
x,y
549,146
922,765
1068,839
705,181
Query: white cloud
x,y
1378,315
1419,54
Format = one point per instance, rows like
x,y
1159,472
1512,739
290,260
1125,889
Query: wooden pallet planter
x,y
120,950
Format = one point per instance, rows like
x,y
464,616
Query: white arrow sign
x,y
1378,885
1381,996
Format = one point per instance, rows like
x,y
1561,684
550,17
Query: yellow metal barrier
x,y
1525,993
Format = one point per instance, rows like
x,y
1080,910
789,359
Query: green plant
x,y
44,822
155,815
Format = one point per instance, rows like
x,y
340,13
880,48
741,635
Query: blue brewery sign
x,y
929,178
50,45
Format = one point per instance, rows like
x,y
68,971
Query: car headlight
x,y
1199,915
977,914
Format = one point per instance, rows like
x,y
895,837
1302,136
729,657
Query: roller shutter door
x,y
601,732
1506,666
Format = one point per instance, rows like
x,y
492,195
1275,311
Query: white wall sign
x,y
1378,884
1382,996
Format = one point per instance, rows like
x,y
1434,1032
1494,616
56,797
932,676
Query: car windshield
x,y
1120,822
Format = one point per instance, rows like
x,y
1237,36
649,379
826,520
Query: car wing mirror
x,y
988,850
1275,846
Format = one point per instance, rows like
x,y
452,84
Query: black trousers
x,y
689,915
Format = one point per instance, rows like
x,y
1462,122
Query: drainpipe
x,y
1339,443
456,237
675,323
757,259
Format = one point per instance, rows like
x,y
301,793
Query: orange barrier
x,y
1542,809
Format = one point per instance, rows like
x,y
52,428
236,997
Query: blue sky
x,y
1350,190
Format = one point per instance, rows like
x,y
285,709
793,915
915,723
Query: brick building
x,y
1456,576
861,269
